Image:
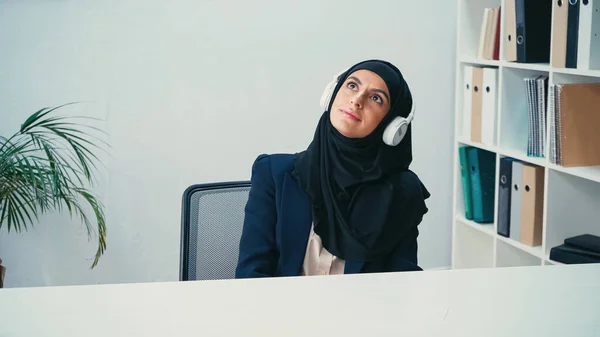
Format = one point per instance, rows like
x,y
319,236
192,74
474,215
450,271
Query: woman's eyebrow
x,y
355,78
383,93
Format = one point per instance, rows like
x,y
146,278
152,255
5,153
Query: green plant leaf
x,y
45,167
37,116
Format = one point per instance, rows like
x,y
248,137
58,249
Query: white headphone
x,y
393,133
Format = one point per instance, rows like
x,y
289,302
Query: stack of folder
x,y
528,24
479,104
573,121
520,201
478,175
489,36
578,249
576,34
536,99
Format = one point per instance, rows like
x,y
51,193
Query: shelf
x,y
508,255
484,228
522,156
482,146
578,72
562,78
488,229
571,195
479,62
544,67
514,122
591,173
469,24
473,249
536,251
573,208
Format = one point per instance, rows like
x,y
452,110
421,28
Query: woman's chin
x,y
346,129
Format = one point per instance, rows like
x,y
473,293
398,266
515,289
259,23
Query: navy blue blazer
x,y
278,218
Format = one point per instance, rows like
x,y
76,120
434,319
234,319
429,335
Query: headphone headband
x,y
411,115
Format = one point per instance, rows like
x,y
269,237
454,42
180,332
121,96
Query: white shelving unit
x,y
571,195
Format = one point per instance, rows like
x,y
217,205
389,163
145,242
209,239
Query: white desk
x,y
508,302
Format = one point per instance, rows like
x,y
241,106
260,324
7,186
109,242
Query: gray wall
x,y
192,92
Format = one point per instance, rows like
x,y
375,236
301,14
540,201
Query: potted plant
x,y
47,166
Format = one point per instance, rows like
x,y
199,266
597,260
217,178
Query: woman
x,y
348,203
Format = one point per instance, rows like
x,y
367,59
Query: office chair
x,y
212,220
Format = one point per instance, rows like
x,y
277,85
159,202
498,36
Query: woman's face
x,y
360,104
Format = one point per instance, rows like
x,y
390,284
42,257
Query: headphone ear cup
x,y
328,92
394,132
326,96
402,131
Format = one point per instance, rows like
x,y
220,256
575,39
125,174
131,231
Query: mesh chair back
x,y
212,220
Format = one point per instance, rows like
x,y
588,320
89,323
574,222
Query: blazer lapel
x,y
295,220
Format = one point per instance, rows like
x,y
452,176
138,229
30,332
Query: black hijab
x,y
364,197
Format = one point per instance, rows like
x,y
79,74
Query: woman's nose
x,y
358,98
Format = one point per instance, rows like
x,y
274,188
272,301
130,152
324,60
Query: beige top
x,y
318,261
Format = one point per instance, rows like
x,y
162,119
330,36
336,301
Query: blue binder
x,y
572,34
534,26
466,181
483,183
504,194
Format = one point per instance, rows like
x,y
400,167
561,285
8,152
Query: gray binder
x,y
515,200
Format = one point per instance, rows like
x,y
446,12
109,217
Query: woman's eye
x,y
351,86
377,99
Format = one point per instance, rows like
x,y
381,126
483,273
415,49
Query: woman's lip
x,y
349,114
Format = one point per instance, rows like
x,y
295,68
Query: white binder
x,y
488,110
588,46
515,200
467,102
482,31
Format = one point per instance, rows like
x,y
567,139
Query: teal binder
x,y
483,183
466,181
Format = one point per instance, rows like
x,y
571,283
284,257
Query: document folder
x,y
559,33
467,101
572,33
534,25
466,181
532,205
516,200
585,241
579,249
483,179
476,104
504,193
488,110
510,31
577,119
588,46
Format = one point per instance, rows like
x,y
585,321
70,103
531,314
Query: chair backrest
x,y
212,220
